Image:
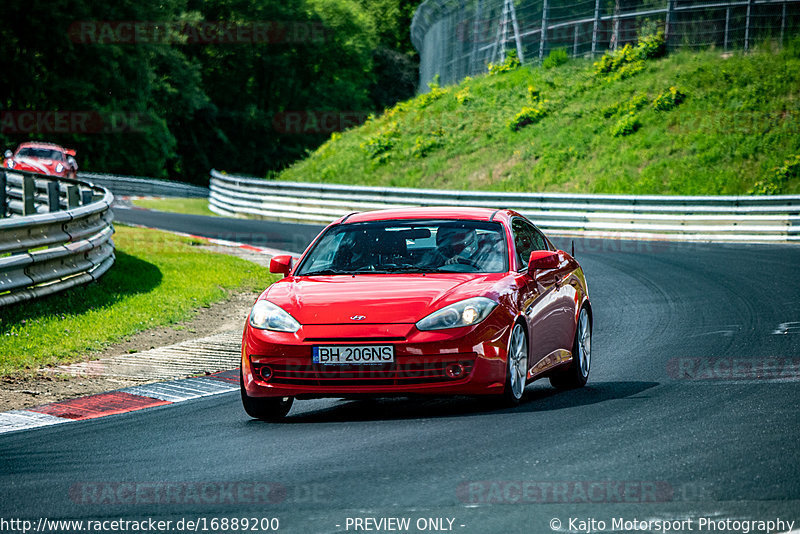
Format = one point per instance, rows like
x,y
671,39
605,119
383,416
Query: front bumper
x,y
464,361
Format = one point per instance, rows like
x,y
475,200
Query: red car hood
x,y
381,299
35,165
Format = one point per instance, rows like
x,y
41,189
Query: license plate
x,y
353,354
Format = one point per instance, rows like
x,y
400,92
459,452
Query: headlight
x,y
267,316
465,313
59,167
10,164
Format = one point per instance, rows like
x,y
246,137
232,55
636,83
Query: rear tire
x,y
266,408
577,371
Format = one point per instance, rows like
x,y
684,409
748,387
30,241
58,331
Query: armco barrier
x,y
138,186
54,234
723,218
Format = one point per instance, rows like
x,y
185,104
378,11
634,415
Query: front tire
x,y
517,368
577,372
266,409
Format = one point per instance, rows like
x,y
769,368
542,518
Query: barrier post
x,y
727,26
28,195
73,197
53,198
783,21
747,25
86,196
668,21
543,33
596,26
3,196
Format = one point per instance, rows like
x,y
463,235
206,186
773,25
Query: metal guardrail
x,y
54,234
138,186
723,218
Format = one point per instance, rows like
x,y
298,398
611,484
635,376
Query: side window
x,y
526,240
539,241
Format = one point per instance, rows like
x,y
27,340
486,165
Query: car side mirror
x,y
280,265
542,259
8,154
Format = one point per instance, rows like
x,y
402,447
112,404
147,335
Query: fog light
x,y
265,372
454,370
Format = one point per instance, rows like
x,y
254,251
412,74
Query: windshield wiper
x,y
404,269
326,272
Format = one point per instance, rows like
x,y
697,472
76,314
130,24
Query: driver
x,y
456,245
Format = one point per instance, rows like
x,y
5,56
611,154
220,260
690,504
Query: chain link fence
x,y
458,38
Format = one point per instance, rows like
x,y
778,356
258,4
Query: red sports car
x,y
42,158
435,301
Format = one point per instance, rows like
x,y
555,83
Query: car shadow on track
x,y
536,399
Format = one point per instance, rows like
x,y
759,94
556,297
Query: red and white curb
x,y
137,397
121,401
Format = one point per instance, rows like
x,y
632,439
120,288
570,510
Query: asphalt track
x,y
680,421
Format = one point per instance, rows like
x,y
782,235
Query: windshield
x,y
41,153
410,247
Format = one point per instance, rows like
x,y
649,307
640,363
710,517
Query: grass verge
x,y
158,279
190,206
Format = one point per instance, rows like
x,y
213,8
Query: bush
x,y
652,46
533,94
528,115
425,145
777,181
626,125
435,93
792,48
636,103
378,147
464,96
627,70
555,58
629,60
669,99
511,63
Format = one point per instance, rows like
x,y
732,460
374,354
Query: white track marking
x,y
24,419
182,390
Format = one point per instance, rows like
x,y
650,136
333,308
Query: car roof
x,y
473,214
41,144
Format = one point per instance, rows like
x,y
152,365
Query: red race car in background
x,y
42,158
435,301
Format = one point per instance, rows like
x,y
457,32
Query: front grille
x,y
304,373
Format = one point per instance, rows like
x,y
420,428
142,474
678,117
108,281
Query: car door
x,y
566,295
539,296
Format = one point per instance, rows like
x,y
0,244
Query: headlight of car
x,y
10,164
465,313
59,167
267,316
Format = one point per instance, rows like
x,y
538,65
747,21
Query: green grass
x,y
158,279
568,129
191,206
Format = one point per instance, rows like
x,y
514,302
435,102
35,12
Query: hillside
x,y
688,123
